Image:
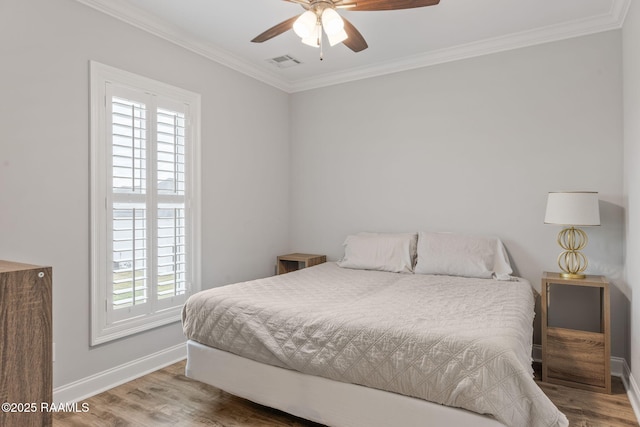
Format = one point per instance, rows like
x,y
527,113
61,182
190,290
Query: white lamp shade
x,y
336,38
305,25
331,22
578,208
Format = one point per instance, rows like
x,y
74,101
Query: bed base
x,y
322,400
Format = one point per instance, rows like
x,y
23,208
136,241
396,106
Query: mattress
x,y
460,342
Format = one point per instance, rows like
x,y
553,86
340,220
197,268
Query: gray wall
x,y
469,146
45,50
631,72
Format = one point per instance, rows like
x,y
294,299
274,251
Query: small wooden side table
x,y
296,261
571,357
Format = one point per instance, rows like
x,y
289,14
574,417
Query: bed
x,y
352,346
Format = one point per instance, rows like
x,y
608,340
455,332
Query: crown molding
x,y
612,20
133,16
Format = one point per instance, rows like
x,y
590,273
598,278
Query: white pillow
x,y
393,252
462,255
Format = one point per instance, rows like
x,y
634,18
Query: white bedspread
x,y
456,341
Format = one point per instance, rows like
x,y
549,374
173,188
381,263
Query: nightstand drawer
x,y
576,356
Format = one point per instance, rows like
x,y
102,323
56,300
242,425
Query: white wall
x,y
470,146
631,72
45,50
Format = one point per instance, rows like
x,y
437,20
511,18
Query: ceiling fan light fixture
x,y
331,21
336,38
323,13
305,25
313,39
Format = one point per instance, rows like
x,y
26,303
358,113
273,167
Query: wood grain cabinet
x,y
293,262
25,344
572,357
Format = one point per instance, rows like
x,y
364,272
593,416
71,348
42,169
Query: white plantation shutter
x,y
146,219
129,232
171,227
129,144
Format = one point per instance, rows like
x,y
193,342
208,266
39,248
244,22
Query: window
x,y
145,213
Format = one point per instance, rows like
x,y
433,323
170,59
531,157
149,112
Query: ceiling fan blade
x,y
355,41
392,4
304,3
276,30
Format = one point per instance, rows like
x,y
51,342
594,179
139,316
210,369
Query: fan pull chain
x,y
319,33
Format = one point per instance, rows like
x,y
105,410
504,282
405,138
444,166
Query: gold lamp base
x,y
572,262
572,276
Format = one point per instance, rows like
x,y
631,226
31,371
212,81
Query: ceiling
x,y
398,40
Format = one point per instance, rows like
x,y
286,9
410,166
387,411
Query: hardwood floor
x,y
587,409
167,398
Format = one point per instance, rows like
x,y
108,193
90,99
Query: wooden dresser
x,y
25,344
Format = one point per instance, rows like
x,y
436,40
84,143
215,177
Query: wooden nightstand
x,y
571,357
293,262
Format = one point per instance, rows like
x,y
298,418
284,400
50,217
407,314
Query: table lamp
x,y
571,209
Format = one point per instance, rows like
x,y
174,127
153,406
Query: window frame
x,y
103,78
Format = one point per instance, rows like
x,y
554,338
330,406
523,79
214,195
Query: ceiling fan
x,y
321,15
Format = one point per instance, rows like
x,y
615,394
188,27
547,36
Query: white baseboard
x,y
618,366
536,353
97,383
631,386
